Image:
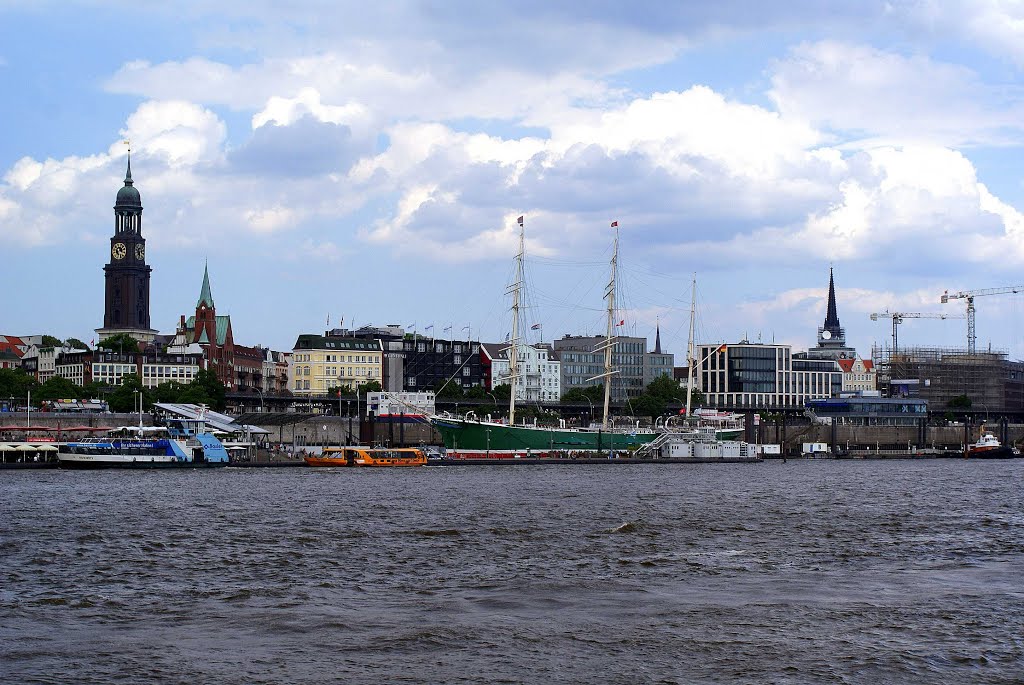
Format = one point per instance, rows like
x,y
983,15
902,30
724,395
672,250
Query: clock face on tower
x,y
140,252
825,335
118,251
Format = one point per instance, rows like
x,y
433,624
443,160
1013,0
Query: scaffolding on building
x,y
942,374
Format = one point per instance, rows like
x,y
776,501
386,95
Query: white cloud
x,y
182,133
867,95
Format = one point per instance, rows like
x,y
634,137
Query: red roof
x,y
846,365
10,343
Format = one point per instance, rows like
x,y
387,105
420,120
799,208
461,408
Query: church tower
x,y
832,336
126,295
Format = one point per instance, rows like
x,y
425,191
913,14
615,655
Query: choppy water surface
x,y
789,573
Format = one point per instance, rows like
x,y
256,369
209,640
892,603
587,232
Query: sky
x,y
351,163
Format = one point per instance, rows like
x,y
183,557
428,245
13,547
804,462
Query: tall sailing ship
x,y
469,437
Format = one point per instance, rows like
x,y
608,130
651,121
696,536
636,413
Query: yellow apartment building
x,y
320,362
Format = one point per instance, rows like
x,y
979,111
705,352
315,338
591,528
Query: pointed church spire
x,y
128,174
831,317
657,337
205,297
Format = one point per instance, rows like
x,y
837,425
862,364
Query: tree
x,y
649,405
336,390
476,392
207,381
123,398
50,341
666,389
960,402
58,388
16,383
371,386
594,393
75,344
448,391
122,343
169,392
502,391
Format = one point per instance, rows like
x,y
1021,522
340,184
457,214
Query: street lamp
x,y
262,408
139,393
590,418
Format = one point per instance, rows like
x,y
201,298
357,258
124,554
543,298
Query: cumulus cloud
x,y
862,94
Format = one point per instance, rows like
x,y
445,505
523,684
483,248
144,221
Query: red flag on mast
x,y
615,224
520,220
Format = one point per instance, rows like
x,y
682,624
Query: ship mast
x,y
608,344
513,350
689,348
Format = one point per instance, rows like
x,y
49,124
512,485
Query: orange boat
x,y
368,456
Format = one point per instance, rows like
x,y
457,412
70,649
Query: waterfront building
x,y
75,365
126,291
763,376
322,362
539,371
831,335
858,374
416,363
582,362
248,363
9,360
866,410
990,380
275,371
658,363
13,345
430,363
213,334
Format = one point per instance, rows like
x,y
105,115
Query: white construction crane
x,y
897,319
969,295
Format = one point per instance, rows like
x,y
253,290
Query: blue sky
x,y
368,162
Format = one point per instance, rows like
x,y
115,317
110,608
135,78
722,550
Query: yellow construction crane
x,y
897,319
969,295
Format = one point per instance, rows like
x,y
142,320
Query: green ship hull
x,y
481,439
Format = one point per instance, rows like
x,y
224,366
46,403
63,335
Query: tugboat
x,y
989,447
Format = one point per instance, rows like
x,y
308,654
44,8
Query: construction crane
x,y
969,295
897,319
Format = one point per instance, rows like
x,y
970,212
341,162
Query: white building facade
x,y
539,372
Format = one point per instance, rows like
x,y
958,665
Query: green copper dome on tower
x,y
128,196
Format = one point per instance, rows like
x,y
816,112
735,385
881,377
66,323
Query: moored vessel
x,y
134,447
368,456
989,447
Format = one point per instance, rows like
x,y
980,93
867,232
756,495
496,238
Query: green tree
x,y
343,389
206,381
649,405
169,392
448,391
50,341
75,344
476,392
502,391
594,393
57,388
123,398
16,383
371,386
667,389
121,343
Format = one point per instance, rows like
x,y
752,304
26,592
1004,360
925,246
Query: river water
x,y
803,572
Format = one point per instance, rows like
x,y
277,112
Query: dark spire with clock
x,y
126,296
832,336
